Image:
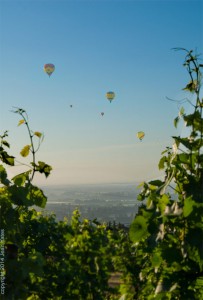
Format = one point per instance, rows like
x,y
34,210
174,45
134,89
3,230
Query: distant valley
x,y
104,202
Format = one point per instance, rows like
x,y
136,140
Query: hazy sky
x,y
96,46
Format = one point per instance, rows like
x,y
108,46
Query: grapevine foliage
x,y
167,233
46,258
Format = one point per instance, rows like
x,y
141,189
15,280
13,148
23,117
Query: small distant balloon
x,y
110,96
49,69
102,113
71,105
140,135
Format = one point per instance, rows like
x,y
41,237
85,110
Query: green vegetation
x,y
161,257
168,232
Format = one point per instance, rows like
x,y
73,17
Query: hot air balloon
x,y
110,96
140,135
49,69
71,105
102,113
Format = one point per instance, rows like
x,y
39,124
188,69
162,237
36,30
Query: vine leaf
x,y
38,197
162,162
42,168
175,122
188,206
157,182
138,229
20,179
6,158
38,134
3,176
25,151
5,143
21,122
156,259
191,86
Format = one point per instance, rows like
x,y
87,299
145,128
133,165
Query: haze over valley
x,y
104,202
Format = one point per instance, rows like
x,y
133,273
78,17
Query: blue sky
x,y
96,46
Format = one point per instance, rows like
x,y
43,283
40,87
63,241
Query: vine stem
x,y
25,118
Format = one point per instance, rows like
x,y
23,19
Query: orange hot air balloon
x,y
110,96
49,69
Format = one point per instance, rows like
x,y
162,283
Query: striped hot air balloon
x,y
49,69
110,96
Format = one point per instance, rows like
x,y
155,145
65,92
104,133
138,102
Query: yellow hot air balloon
x,y
140,135
49,69
110,96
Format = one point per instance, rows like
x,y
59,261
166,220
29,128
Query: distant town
x,y
103,202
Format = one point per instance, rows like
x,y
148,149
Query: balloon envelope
x,y
110,96
140,135
49,69
102,113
